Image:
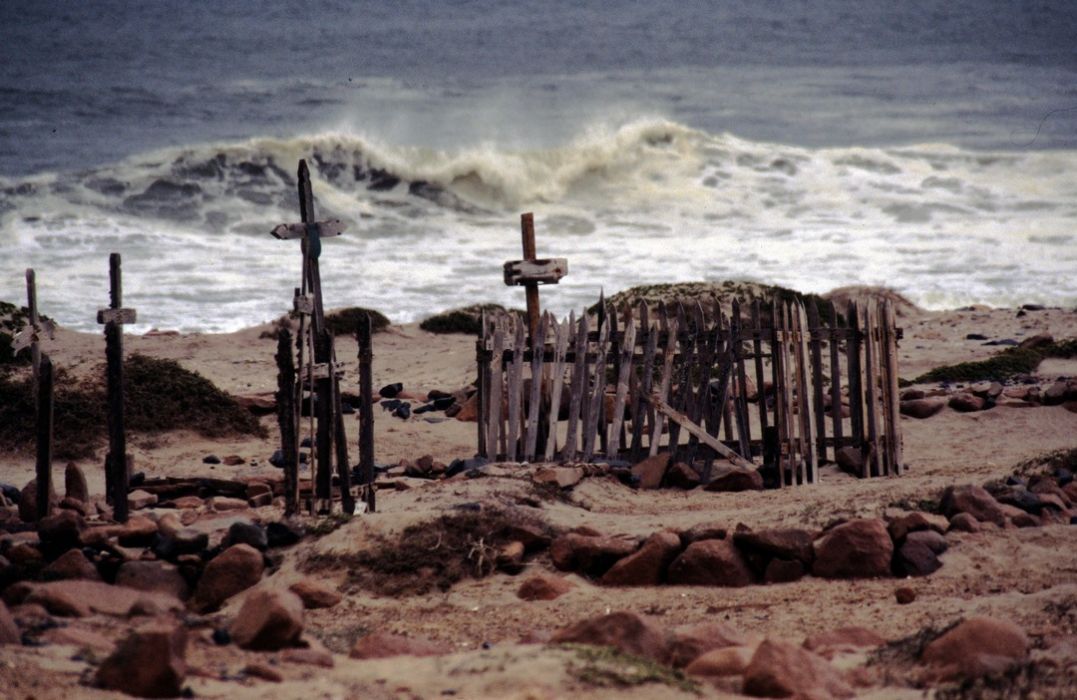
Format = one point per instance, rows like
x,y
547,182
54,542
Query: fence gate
x,y
777,386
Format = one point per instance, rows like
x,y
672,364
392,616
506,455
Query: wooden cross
x,y
114,318
531,271
29,336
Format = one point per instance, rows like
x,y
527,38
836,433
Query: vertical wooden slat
x,y
802,394
613,355
286,421
597,395
496,394
366,410
533,420
871,466
644,390
579,385
856,387
515,394
43,465
323,389
698,385
808,405
815,335
896,447
744,431
679,391
670,351
835,380
562,332
788,424
482,361
628,350
757,350
885,427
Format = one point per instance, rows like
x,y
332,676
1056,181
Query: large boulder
x,y
780,670
383,645
789,544
60,532
915,522
268,620
234,570
79,598
974,500
647,566
622,630
75,483
976,646
150,663
710,563
855,549
590,554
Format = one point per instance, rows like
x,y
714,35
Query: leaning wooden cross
x,y
30,335
532,271
114,318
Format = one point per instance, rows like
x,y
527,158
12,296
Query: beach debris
x,y
531,271
390,391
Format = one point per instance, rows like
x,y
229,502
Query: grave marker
x,y
531,271
114,318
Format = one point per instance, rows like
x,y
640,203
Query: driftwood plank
x,y
543,271
814,380
659,423
883,346
613,355
698,432
286,420
644,389
515,394
562,332
493,429
683,371
856,390
628,350
482,362
44,399
744,430
533,419
579,385
815,333
364,334
871,467
835,381
757,351
597,394
896,449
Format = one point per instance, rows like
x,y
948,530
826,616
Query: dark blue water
x,y
82,84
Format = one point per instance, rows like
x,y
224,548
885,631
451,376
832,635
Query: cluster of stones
x,y
461,404
982,396
168,568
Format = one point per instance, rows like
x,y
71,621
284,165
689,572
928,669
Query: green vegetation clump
x,y
159,396
608,667
466,320
1008,363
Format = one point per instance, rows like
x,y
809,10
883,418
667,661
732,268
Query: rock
x,y
710,563
403,411
61,602
283,533
390,391
533,534
916,521
79,507
682,476
735,480
263,671
988,391
234,570
138,531
625,631
72,564
850,460
233,460
561,477
137,500
79,597
9,631
1036,341
28,502
687,643
75,483
855,549
974,500
922,408
257,488
703,531
904,595
543,587
223,503
60,532
791,544
964,522
779,669
315,594
784,571
246,533
79,637
1055,395
1023,519
268,620
510,557
150,662
183,541
646,566
721,663
308,657
930,538
468,410
651,471
383,645
912,395
974,647
158,576
967,403
591,555
826,644
915,559
188,502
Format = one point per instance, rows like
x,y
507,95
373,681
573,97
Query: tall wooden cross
x,y
532,271
114,317
30,335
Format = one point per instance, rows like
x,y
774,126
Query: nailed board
x,y
119,316
547,271
325,229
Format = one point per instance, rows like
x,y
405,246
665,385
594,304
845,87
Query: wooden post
x,y
871,464
515,391
744,431
757,351
579,386
482,382
596,398
815,333
628,348
561,335
533,417
894,408
669,353
340,439
856,393
527,231
323,388
44,435
114,318
286,419
835,380
366,411
496,393
31,304
531,272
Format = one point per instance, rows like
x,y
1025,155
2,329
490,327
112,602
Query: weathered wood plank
x,y
324,229
669,354
812,380
815,333
482,363
757,352
286,421
43,465
856,386
597,393
515,394
562,332
323,478
744,430
543,271
698,432
533,419
837,428
628,349
364,334
643,390
871,466
496,394
896,447
579,386
116,461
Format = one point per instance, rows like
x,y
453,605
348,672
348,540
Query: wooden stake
x,y
44,435
579,384
628,348
561,335
364,334
286,419
527,230
116,471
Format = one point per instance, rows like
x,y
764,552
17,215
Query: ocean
x,y
930,147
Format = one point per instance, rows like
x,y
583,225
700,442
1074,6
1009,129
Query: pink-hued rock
x,y
855,549
157,576
150,662
382,645
72,564
315,594
916,521
9,631
268,620
842,639
736,479
651,471
622,630
687,643
964,522
922,408
721,663
710,563
234,570
976,646
592,555
646,566
974,500
78,597
544,587
779,670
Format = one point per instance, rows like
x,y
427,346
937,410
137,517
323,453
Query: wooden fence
x,y
760,385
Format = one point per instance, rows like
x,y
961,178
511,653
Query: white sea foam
x,y
642,201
